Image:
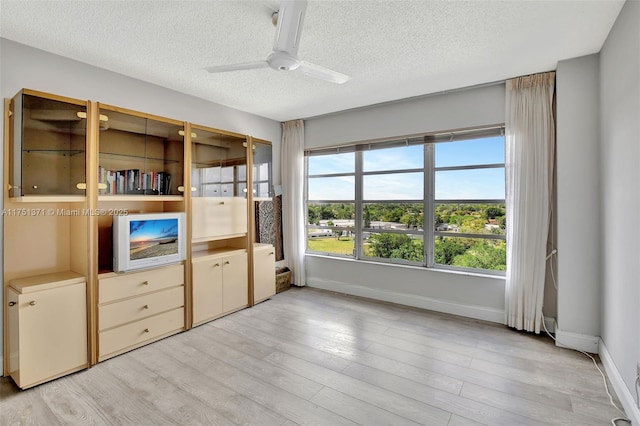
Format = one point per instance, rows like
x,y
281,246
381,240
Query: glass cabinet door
x,y
262,170
48,149
219,164
139,155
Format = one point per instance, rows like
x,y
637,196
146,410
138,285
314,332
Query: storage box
x,y
283,279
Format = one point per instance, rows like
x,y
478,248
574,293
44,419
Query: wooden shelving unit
x,y
59,154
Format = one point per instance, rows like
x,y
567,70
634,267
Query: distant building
x,y
446,227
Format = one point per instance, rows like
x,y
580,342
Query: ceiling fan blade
x,y
317,71
238,67
290,19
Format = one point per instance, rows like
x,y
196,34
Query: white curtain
x,y
530,140
293,217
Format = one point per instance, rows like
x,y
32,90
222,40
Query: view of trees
x,y
450,219
395,246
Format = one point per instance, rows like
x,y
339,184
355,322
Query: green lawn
x,y
343,245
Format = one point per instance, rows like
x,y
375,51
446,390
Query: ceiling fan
x,y
289,17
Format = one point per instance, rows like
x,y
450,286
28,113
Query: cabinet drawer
x,y
134,284
141,331
143,306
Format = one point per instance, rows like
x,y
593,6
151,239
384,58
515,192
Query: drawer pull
x,y
32,303
12,303
146,330
145,307
216,265
145,283
271,253
221,203
227,262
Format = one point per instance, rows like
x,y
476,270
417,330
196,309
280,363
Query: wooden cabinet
x,y
207,289
218,184
216,218
47,149
78,164
139,154
235,293
220,284
139,308
264,272
47,327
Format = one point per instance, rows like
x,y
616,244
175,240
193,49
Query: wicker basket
x,y
283,281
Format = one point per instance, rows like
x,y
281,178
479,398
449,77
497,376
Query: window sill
x,y
497,275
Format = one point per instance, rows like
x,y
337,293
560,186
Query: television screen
x,y
152,238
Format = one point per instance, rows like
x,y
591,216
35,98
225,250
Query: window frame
x,y
428,201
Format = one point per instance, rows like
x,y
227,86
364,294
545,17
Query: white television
x,y
148,240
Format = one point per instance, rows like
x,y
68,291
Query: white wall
x,y
26,67
578,201
620,197
449,111
466,294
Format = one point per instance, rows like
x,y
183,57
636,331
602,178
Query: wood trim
x,y
125,198
7,141
53,97
5,322
251,225
264,142
214,130
93,129
188,272
49,198
140,114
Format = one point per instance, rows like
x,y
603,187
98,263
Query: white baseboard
x,y
550,323
620,388
470,311
584,342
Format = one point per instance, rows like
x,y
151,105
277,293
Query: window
x,y
331,203
434,200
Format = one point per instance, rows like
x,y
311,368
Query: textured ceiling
x,y
392,49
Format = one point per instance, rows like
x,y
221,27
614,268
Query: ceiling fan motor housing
x,y
282,61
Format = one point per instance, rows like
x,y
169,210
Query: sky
x,y
457,184
142,230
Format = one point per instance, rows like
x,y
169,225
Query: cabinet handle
x,y
10,187
145,307
271,253
222,203
216,265
146,330
145,282
12,303
32,303
227,262
181,188
35,187
83,185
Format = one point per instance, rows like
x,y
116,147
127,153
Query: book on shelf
x,y
133,182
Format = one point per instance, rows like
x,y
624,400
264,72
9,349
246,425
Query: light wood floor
x,y
313,357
